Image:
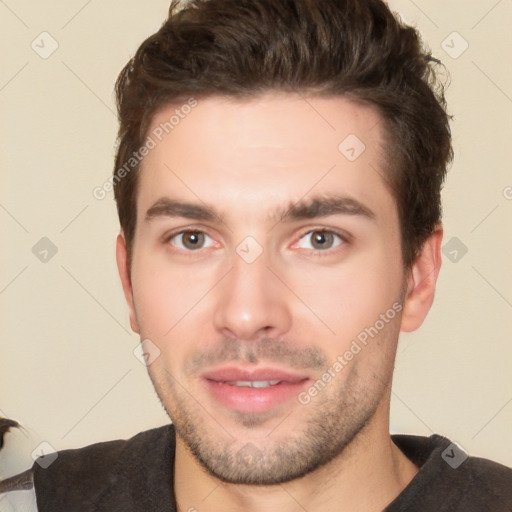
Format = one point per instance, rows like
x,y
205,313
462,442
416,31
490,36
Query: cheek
x,y
167,294
347,298
160,296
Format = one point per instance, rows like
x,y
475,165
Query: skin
x,y
298,306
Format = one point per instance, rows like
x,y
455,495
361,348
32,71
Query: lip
x,y
255,400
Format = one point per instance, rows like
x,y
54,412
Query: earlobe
x,y
124,274
421,282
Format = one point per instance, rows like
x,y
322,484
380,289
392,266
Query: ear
x,y
124,274
421,282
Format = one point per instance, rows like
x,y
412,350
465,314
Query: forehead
x,y
262,152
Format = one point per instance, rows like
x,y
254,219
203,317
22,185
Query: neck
x,y
369,473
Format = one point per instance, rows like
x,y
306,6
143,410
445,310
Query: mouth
x,y
253,383
256,391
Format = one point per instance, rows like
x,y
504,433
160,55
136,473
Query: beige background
x,y
67,369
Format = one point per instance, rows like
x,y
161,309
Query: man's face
x,y
250,306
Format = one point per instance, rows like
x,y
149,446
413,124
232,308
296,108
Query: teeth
x,y
253,383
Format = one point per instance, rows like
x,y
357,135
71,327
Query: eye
x,y
320,240
191,240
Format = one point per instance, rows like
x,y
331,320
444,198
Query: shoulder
x,y
84,474
489,483
99,457
76,479
450,479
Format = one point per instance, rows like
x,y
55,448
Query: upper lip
x,y
233,373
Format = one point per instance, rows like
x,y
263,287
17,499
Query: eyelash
x,y
345,240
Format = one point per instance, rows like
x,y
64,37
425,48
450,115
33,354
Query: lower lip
x,y
247,399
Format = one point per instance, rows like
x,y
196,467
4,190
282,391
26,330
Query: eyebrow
x,y
312,208
323,207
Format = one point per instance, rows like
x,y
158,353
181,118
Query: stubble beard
x,y
291,451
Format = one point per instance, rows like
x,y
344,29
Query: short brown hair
x,y
243,48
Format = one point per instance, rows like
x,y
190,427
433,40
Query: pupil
x,y
193,240
321,240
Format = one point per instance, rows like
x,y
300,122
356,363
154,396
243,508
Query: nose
x,y
252,302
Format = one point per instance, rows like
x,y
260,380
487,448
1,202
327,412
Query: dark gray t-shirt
x,y
136,475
